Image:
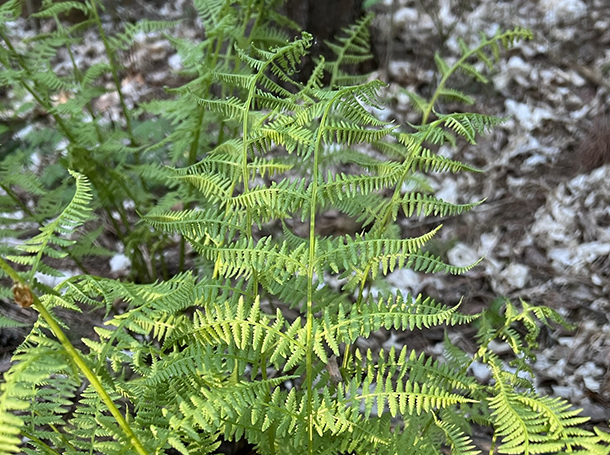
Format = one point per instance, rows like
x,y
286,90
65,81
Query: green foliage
x,y
250,340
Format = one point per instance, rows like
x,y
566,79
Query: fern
x,y
255,335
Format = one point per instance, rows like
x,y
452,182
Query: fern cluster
x,y
252,342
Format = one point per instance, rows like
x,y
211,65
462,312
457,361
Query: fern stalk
x,y
311,263
113,67
41,443
78,77
77,359
27,210
45,103
506,36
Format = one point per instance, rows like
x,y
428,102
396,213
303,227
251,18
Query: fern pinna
x,y
255,342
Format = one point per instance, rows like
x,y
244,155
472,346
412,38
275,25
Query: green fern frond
x,y
426,205
57,233
244,257
243,81
293,137
407,398
36,362
419,103
245,328
460,443
231,108
277,201
213,186
203,226
269,36
212,12
244,350
94,72
424,160
10,10
349,133
449,94
50,79
341,186
532,424
369,253
507,39
391,312
124,41
468,125
54,9
352,48
230,402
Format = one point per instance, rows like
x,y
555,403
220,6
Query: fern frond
x,y
278,201
245,328
468,125
244,257
407,398
532,424
507,39
390,312
203,226
231,108
213,186
212,12
54,9
426,205
57,233
124,41
353,48
293,137
449,94
10,10
369,254
424,160
341,186
349,133
460,443
38,362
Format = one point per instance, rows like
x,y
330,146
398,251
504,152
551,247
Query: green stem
x,y
311,263
78,77
78,360
45,103
258,16
115,75
392,208
40,443
453,69
271,431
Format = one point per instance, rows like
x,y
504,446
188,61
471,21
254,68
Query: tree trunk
x,y
324,18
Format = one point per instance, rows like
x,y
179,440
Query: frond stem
x,y
78,360
271,430
78,77
453,69
42,102
115,75
41,443
310,273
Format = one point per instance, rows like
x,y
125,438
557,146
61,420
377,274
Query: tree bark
x,y
324,18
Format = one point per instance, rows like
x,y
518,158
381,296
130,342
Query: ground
x,y
544,228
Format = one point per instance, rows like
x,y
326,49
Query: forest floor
x,y
544,228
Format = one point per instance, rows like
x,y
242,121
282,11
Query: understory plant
x,y
255,334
